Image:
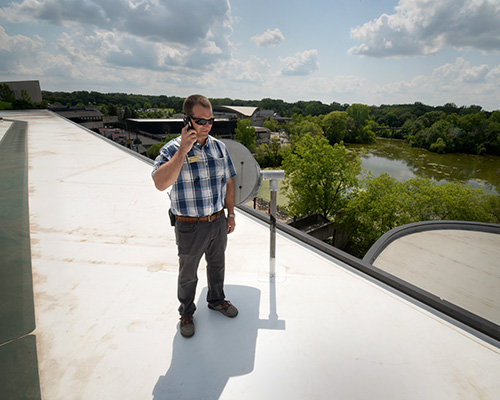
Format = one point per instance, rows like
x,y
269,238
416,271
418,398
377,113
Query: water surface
x,y
403,162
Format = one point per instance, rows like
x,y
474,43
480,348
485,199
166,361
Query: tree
x,y
6,94
360,114
271,124
359,130
269,155
24,102
439,146
245,134
112,109
307,127
383,204
319,176
335,126
493,207
436,137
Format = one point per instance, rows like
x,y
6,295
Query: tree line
x,y
443,129
446,130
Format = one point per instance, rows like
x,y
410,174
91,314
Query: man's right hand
x,y
188,138
167,174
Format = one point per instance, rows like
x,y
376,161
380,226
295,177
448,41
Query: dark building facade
x,y
222,127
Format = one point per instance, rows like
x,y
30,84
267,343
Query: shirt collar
x,y
207,142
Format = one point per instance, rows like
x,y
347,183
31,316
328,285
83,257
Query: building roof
x,y
104,274
32,88
80,113
243,111
456,261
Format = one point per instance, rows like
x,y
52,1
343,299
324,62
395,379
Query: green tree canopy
x,y
383,204
269,155
359,129
245,134
6,94
319,176
335,126
271,124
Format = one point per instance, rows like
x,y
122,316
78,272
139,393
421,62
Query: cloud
x,y
461,83
494,76
460,73
254,71
19,53
269,38
145,34
174,21
304,63
425,27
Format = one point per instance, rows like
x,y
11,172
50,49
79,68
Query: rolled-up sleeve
x,y
166,153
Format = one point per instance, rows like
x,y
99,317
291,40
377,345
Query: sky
x,y
346,51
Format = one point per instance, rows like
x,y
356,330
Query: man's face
x,y
202,131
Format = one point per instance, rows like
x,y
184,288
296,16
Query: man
x,y
200,170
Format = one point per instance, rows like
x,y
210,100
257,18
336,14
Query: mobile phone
x,y
187,121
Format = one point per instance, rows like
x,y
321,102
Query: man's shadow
x,y
221,348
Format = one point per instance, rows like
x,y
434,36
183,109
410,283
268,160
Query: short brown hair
x,y
193,100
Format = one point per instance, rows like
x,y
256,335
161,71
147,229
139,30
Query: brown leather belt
x,y
208,218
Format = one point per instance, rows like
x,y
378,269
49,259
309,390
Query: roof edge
x,y
387,238
480,326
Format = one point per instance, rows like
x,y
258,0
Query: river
x,y
403,162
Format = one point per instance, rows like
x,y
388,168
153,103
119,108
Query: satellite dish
x,y
248,177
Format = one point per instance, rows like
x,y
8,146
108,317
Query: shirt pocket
x,y
220,168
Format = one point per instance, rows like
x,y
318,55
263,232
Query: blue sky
x,y
346,51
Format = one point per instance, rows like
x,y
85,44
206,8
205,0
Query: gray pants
x,y
194,240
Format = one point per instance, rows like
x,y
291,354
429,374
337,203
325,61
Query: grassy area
x,y
264,193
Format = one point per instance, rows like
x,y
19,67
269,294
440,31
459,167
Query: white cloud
x,y
494,76
425,27
175,21
460,73
269,38
147,34
20,53
304,63
461,83
255,70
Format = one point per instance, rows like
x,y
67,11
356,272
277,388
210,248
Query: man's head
x,y
195,99
199,110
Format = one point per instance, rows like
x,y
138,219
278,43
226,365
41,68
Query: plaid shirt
x,y
200,189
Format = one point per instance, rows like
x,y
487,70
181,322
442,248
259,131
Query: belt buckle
x,y
212,217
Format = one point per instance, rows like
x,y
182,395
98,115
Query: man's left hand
x,y
231,224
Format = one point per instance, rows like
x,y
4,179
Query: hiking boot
x,y
225,308
187,326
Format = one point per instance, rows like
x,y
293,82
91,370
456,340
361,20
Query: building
x,y
89,117
161,128
254,114
32,89
237,112
88,294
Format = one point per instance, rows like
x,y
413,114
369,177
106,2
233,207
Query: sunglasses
x,y
201,121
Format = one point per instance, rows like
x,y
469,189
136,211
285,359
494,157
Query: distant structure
x,y
254,114
235,112
226,118
89,117
32,88
160,128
